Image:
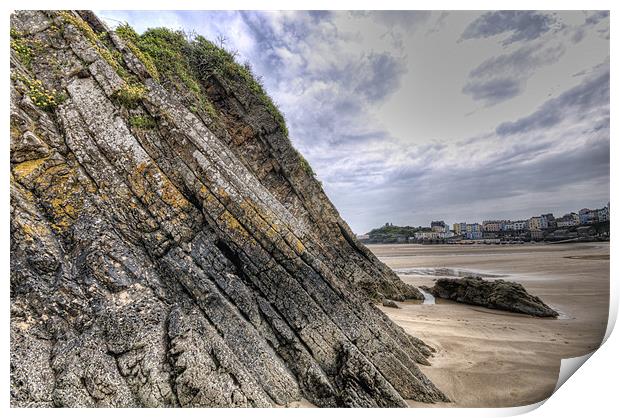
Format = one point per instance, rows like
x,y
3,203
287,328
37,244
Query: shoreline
x,y
490,241
492,358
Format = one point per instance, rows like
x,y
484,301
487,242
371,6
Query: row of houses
x,y
592,216
439,231
536,227
433,235
533,225
469,231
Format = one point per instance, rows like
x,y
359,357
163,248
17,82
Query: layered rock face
x,y
496,294
169,247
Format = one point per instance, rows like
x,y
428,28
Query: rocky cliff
x,y
169,246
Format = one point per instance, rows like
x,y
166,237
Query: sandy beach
x,y
491,358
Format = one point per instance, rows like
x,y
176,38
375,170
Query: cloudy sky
x,y
409,117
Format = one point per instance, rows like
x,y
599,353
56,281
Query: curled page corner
x,y
568,367
519,410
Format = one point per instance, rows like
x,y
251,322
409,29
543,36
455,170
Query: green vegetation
x,y
115,60
126,33
168,51
23,51
190,63
130,94
142,122
391,233
208,59
170,57
25,47
42,97
305,165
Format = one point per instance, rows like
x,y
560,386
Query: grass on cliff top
x,y
207,59
168,51
131,38
191,61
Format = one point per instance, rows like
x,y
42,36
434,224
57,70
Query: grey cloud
x,y
408,176
357,175
503,77
578,35
523,60
493,91
589,94
597,16
592,19
538,162
333,97
406,19
472,193
362,137
439,24
507,179
421,158
374,75
523,25
378,76
318,15
295,34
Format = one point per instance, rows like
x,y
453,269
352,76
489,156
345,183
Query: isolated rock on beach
x,y
494,294
170,247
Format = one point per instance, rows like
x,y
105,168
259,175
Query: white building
x,y
519,225
603,214
547,220
473,231
433,235
570,219
588,216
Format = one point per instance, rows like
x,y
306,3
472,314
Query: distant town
x,y
585,225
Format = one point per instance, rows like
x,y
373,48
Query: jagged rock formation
x,y
169,247
494,294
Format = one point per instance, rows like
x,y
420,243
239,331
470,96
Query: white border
x,y
592,392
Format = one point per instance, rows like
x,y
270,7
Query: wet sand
x,y
491,358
